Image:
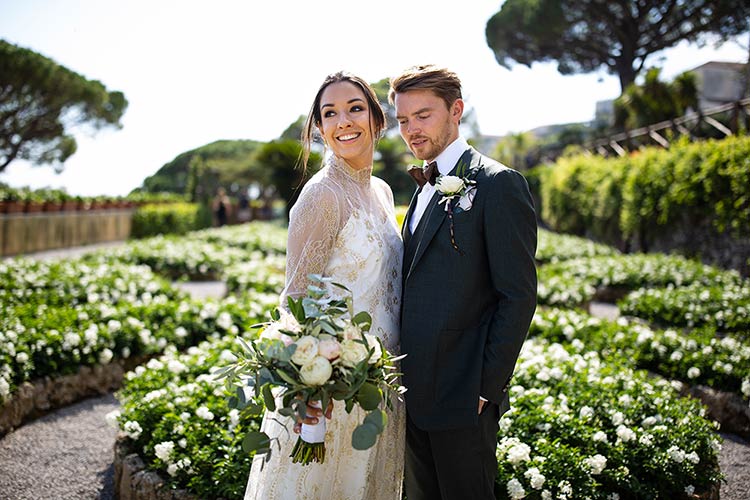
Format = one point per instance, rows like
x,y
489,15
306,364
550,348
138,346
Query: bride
x,y
343,226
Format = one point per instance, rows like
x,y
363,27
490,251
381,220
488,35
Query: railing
x,y
684,125
22,233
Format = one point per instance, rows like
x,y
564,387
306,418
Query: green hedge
x,y
639,195
169,218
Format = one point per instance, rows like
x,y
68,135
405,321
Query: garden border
x,y
133,481
38,397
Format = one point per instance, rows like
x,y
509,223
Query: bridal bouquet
x,y
317,351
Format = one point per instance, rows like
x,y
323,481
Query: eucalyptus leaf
x,y
364,436
268,398
286,378
254,441
327,327
264,376
369,396
316,290
378,418
241,395
254,409
363,318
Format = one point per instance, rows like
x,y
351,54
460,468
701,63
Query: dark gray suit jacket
x,y
464,317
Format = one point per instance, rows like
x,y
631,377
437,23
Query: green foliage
x,y
199,172
40,102
655,101
581,195
280,160
583,36
640,195
167,218
391,157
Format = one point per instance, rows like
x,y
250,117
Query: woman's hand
x,y
313,415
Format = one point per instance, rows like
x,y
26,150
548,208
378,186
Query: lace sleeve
x,y
314,224
385,195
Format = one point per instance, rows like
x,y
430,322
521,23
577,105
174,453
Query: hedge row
x,y
169,218
641,194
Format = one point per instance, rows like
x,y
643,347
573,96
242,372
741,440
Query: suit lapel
x,y
436,214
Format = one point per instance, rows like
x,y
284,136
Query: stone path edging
x,y
36,398
134,482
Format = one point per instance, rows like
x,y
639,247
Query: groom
x,y
469,293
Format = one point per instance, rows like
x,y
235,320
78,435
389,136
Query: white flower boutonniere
x,y
459,186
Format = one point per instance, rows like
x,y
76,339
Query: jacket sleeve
x,y
510,237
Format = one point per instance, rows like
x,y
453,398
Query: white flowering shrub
x,y
261,273
575,281
556,247
722,306
266,237
585,427
176,417
58,316
177,257
694,357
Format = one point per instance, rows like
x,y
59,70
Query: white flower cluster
x,y
317,356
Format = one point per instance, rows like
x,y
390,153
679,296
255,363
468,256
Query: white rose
x,y
288,322
105,356
352,352
132,429
204,413
307,349
163,450
448,184
535,477
351,332
316,372
515,489
374,344
519,453
329,349
596,464
111,419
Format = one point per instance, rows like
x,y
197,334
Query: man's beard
x,y
432,147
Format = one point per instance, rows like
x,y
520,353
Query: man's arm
x,y
510,238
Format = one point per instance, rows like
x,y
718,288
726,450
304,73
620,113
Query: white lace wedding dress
x,y
343,226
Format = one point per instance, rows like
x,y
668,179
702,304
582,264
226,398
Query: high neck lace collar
x,y
360,176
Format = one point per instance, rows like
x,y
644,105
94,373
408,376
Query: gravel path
x,y
66,455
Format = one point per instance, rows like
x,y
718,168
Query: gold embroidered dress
x,y
343,226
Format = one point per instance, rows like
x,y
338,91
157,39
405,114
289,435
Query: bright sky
x,y
199,71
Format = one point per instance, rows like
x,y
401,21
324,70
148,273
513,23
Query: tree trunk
x,y
626,73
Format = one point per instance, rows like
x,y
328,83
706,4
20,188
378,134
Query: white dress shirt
x,y
445,163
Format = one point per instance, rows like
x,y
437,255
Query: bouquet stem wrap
x,y
310,446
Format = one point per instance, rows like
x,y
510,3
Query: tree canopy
x,y
585,35
200,171
41,101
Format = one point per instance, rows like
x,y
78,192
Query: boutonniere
x,y
461,186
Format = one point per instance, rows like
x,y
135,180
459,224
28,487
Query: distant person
x,y
243,208
221,206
